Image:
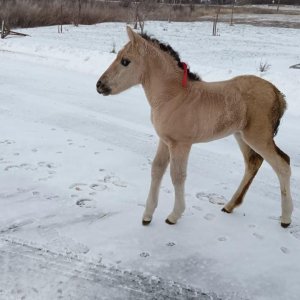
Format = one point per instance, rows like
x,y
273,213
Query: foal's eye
x,y
125,62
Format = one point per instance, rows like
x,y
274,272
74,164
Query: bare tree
x,y
216,21
78,16
232,10
61,17
171,7
142,9
278,3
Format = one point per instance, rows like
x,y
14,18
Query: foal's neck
x,y
162,78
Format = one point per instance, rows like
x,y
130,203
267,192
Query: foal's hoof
x,y
145,223
225,210
285,225
169,222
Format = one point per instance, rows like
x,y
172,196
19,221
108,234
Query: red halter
x,y
185,74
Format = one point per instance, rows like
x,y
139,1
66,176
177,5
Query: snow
x,y
75,172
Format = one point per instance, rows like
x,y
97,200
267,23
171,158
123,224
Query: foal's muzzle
x,y
102,88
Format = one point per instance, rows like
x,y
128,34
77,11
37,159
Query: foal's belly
x,y
193,130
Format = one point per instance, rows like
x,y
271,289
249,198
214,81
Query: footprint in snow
x,y
21,166
114,180
170,244
86,203
197,207
222,239
295,231
46,164
45,178
98,187
258,236
209,217
7,142
284,250
144,254
212,198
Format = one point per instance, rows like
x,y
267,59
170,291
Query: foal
x,y
186,110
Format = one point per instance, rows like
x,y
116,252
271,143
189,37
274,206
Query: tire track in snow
x,y
37,273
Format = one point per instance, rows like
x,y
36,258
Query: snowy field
x,y
75,172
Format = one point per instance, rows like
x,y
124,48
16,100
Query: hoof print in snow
x,y
258,236
222,239
114,180
212,198
119,183
171,244
284,250
86,203
144,254
7,142
295,232
209,217
98,187
197,207
297,66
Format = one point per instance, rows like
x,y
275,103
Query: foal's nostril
x,y
99,83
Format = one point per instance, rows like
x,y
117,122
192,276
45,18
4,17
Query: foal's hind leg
x,y
158,169
253,162
280,163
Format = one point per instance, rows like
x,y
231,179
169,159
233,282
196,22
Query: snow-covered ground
x,y
75,172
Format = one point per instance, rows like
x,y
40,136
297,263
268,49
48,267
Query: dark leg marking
x,y
225,210
145,223
285,225
169,222
283,155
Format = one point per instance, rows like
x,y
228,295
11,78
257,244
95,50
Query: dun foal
x,y
186,110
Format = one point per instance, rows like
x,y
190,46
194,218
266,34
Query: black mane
x,y
167,48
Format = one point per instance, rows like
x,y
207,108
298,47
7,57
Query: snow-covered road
x,y
75,171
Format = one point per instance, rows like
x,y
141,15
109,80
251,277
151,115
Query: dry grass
x,y
264,67
32,13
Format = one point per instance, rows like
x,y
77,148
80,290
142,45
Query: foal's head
x,y
126,70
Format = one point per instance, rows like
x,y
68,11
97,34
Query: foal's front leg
x,y
159,166
179,157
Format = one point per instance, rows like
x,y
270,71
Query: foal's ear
x,y
133,37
